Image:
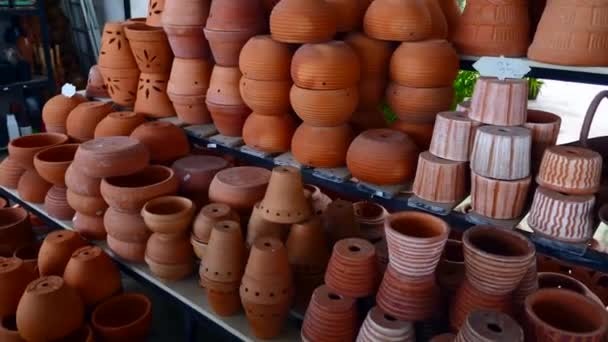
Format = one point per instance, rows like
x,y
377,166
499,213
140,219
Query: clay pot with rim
x,y
107,157
374,55
152,99
123,317
115,52
91,227
264,59
398,20
14,278
150,48
52,163
15,228
56,250
321,146
170,256
270,134
121,84
239,187
118,123
22,150
324,108
325,66
380,325
168,214
183,22
49,310
293,21
490,325
317,198
155,13
258,227
83,119
420,132
195,174
92,273
88,205
427,64
10,172
55,111
127,234
8,329
339,221
95,84
370,217
80,183
352,268
56,204
154,135
330,315
419,105
266,97
284,201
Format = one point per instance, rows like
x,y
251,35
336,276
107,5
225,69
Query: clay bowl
x,y
321,146
324,107
118,123
125,317
15,228
325,66
264,59
53,162
239,187
111,157
168,214
22,150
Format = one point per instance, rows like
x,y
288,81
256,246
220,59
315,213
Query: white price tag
x,y
68,90
210,145
502,67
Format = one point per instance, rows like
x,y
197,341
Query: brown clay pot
x,y
398,20
352,268
32,187
154,135
451,11
56,109
499,102
10,172
91,227
453,136
14,277
239,187
374,54
226,45
115,52
551,280
438,19
259,227
545,129
348,14
270,134
224,87
150,48
81,184
321,146
382,156
441,180
426,64
327,311
317,198
155,13
488,324
56,203
29,254
284,201
121,84
293,21
189,76
15,228
199,247
325,66
108,157
191,110
125,317
370,217
168,214
229,119
118,123
92,273
421,133
56,250
183,22
53,162
209,216
83,119
95,84
127,234
169,256
380,325
49,310
239,15
418,104
450,270
339,221
562,166
324,108
8,329
195,174
264,59
152,99
487,192
22,150
266,97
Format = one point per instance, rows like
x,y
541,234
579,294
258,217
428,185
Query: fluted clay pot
x,y
545,129
499,102
325,66
382,156
258,227
53,162
195,174
152,99
441,180
83,119
49,310
107,157
370,217
317,198
270,134
420,132
91,227
154,135
374,54
210,215
330,314
56,109
32,187
22,150
118,123
562,166
125,317
56,203
487,193
239,187
339,221
80,183
189,76
284,201
14,278
398,20
501,152
56,251
266,97
92,273
352,268
150,48
15,228
8,329
489,325
95,84
321,146
10,172
453,136
264,59
168,214
293,21
380,325
183,22
418,104
170,256
426,64
127,234
324,108
88,205
115,53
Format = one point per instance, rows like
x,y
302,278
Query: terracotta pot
x,y
398,20
348,14
527,286
264,59
168,214
324,108
438,20
29,254
500,102
8,329
293,21
154,135
107,157
487,324
371,95
79,183
130,193
370,217
453,136
330,315
115,52
266,97
199,247
195,173
56,204
321,146
352,268
419,105
374,54
317,198
224,87
155,12
14,276
169,256
187,41
563,314
450,270
469,299
191,110
22,150
83,119
91,227
487,193
545,129
339,221
127,250
451,11
226,45
32,187
229,119
239,187
259,227
150,48
124,317
127,234
382,156
501,152
270,134
565,40
237,15
325,66
440,180
53,162
415,242
284,201
121,84
380,325
426,64
92,273
550,280
152,99
15,228
421,133
95,84
10,172
55,111
49,310
562,166
118,123
56,250
189,76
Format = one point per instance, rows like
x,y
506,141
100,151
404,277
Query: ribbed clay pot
x,y
370,217
374,55
210,215
15,228
168,214
270,134
127,234
325,66
483,325
264,59
239,187
154,135
32,187
95,84
266,97
79,183
293,21
451,11
545,129
195,174
22,150
83,119
115,53
150,48
419,105
330,315
324,108
118,123
126,317
14,278
152,99
321,146
562,169
91,227
155,13
440,180
398,20
183,22
170,256
499,102
10,172
501,152
380,325
453,136
56,109
56,203
53,162
107,157
56,250
284,201
352,268
426,64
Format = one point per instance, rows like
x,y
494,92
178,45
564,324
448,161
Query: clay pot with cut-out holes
x,y
118,123
380,325
22,150
195,174
55,111
264,59
270,134
266,97
324,108
115,52
14,278
224,101
95,84
321,146
124,317
258,227
121,84
489,325
325,66
570,170
293,21
168,214
418,104
152,99
284,201
105,157
155,13
15,228
501,152
170,256
150,48
83,119
427,64
183,22
32,187
398,20
56,250
10,173
352,268
239,187
154,135
189,76
370,217
330,315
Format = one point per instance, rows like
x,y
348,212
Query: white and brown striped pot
x,y
571,170
488,325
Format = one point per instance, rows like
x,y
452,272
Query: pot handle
x,y
595,103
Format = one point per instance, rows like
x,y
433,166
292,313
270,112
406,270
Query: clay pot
x,y
15,228
330,314
150,48
339,221
224,87
321,146
95,84
415,236
195,174
453,136
22,150
489,251
325,66
324,108
53,162
551,280
127,250
92,273
398,20
317,198
154,135
83,119
421,133
418,104
49,310
427,64
155,12
237,15
199,247
382,156
14,277
168,214
118,123
32,187
115,52
264,59
545,129
226,45
348,14
500,102
284,201
189,76
10,172
266,97
106,157
91,227
8,329
270,134
152,99
169,256
123,317
380,325
191,110
229,119
501,152
79,183
183,22
562,166
451,11
450,270
130,193
489,325
258,227
293,21
374,54
527,286
352,268
469,299
127,234
239,187
56,203
55,111
121,84
370,217
222,297
440,180
29,254
563,314
488,193
56,250
438,20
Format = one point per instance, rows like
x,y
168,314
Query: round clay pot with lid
x,y
53,162
118,123
321,146
239,187
324,108
150,48
210,215
10,172
189,76
122,318
426,64
300,22
56,109
155,135
264,59
83,119
398,20
110,157
266,97
22,150
168,214
270,134
56,250
14,278
15,228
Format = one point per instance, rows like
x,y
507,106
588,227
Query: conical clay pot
x,y
259,227
121,84
150,48
115,50
284,201
210,215
14,276
152,99
352,268
327,311
155,13
380,325
489,325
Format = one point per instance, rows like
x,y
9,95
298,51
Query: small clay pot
x,y
501,152
115,52
224,260
210,215
55,111
266,97
53,162
32,187
321,146
10,173
284,201
155,13
191,110
195,173
229,119
150,48
15,228
325,66
14,277
370,216
264,59
418,104
187,41
189,76
352,268
421,133
293,21
271,134
8,329
226,45
92,273
398,20
91,227
327,311
152,99
239,187
56,250
121,84
22,150
168,214
79,183
109,157
259,227
154,135
123,317
426,64
499,102
374,55
118,123
560,167
324,108
491,325
95,84
224,87
56,203
83,119
380,325
88,205
169,256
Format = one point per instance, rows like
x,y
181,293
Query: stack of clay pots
x,y
352,269
265,87
324,96
501,152
415,242
379,325
330,316
10,173
183,22
496,260
56,109
442,171
204,222
224,101
563,203
82,120
195,174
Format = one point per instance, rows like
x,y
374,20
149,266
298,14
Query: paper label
x,y
502,67
68,90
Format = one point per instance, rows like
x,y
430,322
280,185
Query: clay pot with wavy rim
x,y
121,84
83,119
427,64
32,187
95,84
324,108
10,172
56,204
183,22
239,187
284,201
374,54
53,162
380,325
370,217
382,156
108,157
154,135
189,76
418,104
55,111
81,184
195,174
91,227
122,318
293,21
420,132
150,48
264,59
325,66
266,97
118,123
92,273
352,268
170,256
562,168
317,198
56,250
168,214
258,227
22,150
398,20
8,329
152,99
15,228
115,52
14,278
321,146
270,134
155,13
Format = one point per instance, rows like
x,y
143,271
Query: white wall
x,y
139,8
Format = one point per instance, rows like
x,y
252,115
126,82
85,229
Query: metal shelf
x,y
37,81
19,10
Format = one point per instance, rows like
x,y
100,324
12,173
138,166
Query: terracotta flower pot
x,y
118,123
426,64
56,203
32,187
91,227
154,135
370,217
545,129
325,66
352,268
487,193
469,299
29,254
330,315
130,193
49,310
56,109
562,166
420,132
127,234
152,99
210,215
191,110
451,11
95,84
236,15
398,20
195,174
92,273
189,76
293,21
124,317
150,48
317,198
270,134
239,187
226,45
380,325
22,150
382,156
169,256
487,324
374,54
321,146
14,277
450,270
8,329
266,97
56,250
15,228
81,184
264,59
551,280
324,108
224,87
259,227
107,157
440,180
183,22
53,162
115,52
453,136
229,119
155,12
419,105
500,102
83,119
10,172
284,201
501,152
339,221
168,214
121,84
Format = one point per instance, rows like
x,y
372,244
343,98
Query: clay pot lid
x,y
45,285
108,145
331,301
200,163
419,226
244,176
216,210
354,250
497,244
10,217
493,326
8,265
105,314
387,321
